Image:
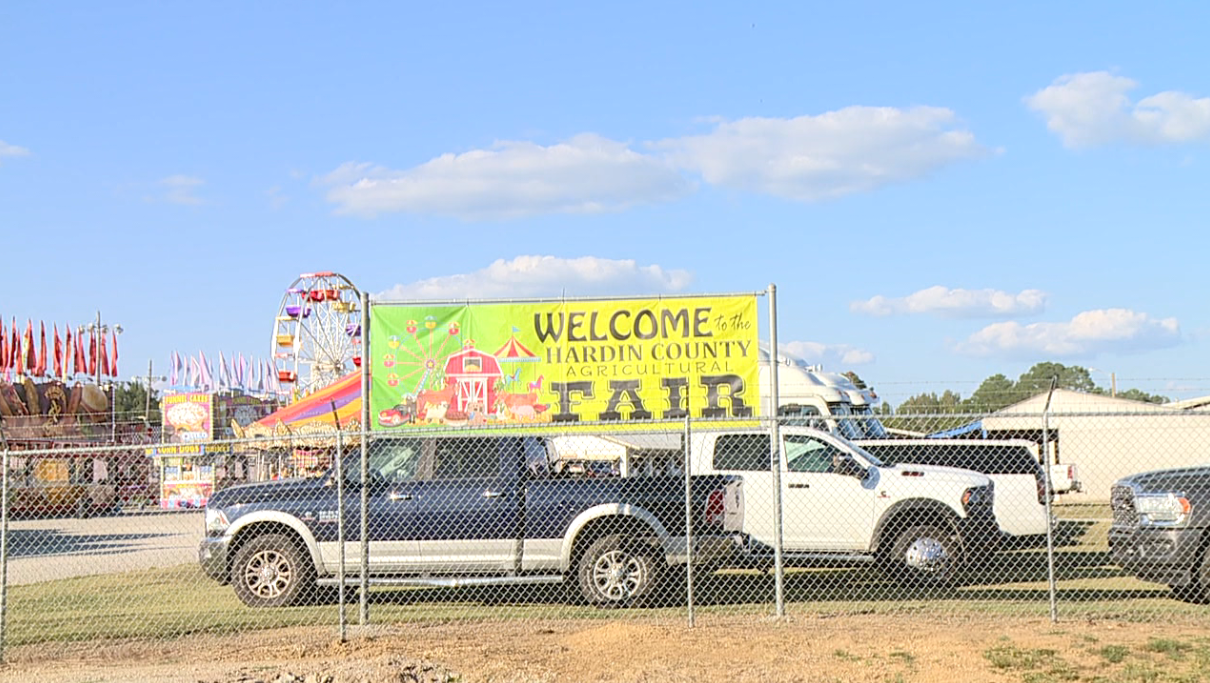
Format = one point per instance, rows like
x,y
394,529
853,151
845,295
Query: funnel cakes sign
x,y
613,363
187,418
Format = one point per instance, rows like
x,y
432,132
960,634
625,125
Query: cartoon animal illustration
x,y
435,413
536,385
524,413
517,399
446,395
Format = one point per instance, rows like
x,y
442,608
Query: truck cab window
x,y
466,458
390,460
743,452
537,460
806,454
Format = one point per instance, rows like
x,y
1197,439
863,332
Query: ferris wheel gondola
x,y
317,332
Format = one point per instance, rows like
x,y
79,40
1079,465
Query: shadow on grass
x,y
834,587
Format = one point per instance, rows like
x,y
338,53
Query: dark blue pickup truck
x,y
1161,529
466,510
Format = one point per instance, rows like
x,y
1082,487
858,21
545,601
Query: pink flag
x,y
224,376
205,378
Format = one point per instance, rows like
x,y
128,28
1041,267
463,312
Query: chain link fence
x,y
1010,513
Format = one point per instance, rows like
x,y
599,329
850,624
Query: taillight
x,y
1041,481
715,507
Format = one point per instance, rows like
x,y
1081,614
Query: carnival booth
x,y
51,429
196,457
300,439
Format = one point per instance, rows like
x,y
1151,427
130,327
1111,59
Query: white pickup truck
x,y
840,504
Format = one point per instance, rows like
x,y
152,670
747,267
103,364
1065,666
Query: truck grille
x,y
1121,499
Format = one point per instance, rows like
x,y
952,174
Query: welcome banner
x,y
621,362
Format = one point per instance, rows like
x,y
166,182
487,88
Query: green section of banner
x,y
556,364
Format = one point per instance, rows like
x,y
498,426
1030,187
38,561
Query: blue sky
x,y
940,191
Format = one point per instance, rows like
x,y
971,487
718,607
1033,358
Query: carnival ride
x,y
317,332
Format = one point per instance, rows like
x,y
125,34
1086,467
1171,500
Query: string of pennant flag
x,y
79,351
252,375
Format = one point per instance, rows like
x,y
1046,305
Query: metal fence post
x,y
688,523
1050,521
3,542
340,534
364,583
775,461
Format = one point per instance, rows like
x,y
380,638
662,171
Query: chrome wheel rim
x,y
926,554
268,574
617,575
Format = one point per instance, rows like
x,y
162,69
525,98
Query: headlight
x,y
1163,509
216,522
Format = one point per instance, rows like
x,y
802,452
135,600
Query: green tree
x,y
925,413
931,403
994,393
130,403
1038,378
1139,395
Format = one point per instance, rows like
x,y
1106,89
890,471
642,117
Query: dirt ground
x,y
850,648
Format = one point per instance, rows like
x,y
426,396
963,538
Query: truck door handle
x,y
399,496
800,486
492,494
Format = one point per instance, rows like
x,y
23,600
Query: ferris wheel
x,y
317,332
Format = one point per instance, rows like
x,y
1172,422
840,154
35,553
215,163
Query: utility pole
x,y
147,407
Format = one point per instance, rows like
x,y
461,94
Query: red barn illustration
x,y
474,374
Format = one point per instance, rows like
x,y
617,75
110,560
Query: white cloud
x,y
957,303
586,174
806,158
827,355
9,150
1089,333
547,276
809,158
1090,109
180,189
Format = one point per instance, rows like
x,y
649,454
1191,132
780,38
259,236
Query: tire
x,y
616,572
924,555
1197,591
82,509
271,571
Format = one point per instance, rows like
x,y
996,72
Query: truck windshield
x,y
870,426
845,425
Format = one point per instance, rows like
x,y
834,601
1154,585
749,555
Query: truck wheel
x,y
924,555
1197,591
270,571
616,573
